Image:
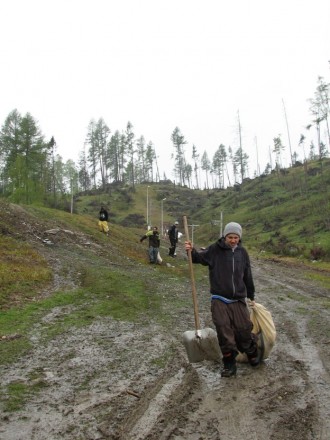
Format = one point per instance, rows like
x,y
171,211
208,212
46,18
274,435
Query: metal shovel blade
x,y
201,345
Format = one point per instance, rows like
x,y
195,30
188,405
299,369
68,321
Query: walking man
x,y
231,283
173,234
154,243
103,220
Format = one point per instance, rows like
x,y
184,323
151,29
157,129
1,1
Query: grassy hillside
x,y
53,259
285,213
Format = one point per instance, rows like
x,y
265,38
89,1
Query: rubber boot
x,y
254,356
229,364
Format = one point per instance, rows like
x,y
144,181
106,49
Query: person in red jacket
x,y
231,282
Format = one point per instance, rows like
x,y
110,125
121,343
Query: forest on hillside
x,y
32,171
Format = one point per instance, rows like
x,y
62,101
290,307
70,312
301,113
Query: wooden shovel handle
x,y
193,285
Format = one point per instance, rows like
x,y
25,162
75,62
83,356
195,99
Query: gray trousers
x,y
233,326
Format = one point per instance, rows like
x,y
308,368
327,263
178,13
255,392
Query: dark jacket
x,y
173,233
103,216
229,270
153,236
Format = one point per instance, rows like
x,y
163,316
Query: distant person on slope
x,y
103,220
154,243
173,234
231,283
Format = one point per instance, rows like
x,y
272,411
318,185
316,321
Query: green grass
x,y
22,271
120,294
17,394
322,278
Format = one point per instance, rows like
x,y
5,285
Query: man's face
x,y
232,239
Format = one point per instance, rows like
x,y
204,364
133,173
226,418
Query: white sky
x,y
186,63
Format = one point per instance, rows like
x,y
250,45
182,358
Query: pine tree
x,y
180,162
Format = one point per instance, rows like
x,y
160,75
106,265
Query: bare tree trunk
x,y
287,128
258,167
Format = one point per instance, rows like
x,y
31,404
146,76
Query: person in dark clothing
x,y
173,234
231,282
103,220
154,243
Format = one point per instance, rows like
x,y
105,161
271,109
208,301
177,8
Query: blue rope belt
x,y
223,299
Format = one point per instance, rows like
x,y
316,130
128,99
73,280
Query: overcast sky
x,y
160,65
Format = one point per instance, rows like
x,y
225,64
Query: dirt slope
x,y
108,381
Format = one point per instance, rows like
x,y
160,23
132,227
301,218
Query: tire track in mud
x,y
299,348
155,407
286,398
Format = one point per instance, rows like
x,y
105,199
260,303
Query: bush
x,y
133,220
317,253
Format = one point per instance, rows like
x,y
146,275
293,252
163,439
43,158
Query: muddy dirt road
x,y
115,380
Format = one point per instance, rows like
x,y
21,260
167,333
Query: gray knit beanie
x,y
233,228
